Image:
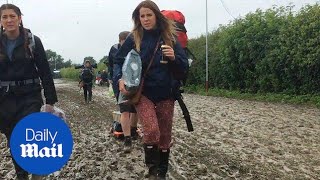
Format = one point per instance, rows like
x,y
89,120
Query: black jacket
x,y
112,54
23,67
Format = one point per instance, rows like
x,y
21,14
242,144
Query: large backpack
x,y
182,37
86,75
179,19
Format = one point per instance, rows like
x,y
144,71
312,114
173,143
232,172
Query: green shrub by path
x,y
272,51
101,67
72,73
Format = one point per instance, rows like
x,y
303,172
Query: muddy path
x,y
233,139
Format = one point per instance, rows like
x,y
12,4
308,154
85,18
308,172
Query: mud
x,y
233,139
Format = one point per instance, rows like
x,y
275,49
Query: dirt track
x,y
233,139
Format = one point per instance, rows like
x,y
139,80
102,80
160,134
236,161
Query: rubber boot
x,y
152,160
163,163
90,97
85,99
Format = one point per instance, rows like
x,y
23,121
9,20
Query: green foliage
x,y
272,51
70,73
56,61
101,67
104,59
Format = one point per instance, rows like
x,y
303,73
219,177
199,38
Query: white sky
x,y
79,28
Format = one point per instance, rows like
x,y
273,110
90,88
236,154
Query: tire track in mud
x,y
233,139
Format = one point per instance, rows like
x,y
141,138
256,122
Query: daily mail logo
x,y
41,143
32,150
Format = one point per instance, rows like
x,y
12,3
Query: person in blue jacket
x,y
153,34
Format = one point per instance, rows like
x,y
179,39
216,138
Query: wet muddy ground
x,y
233,139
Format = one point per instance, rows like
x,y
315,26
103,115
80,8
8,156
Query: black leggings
x,y
12,109
87,88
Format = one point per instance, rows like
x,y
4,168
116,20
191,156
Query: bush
x,y
272,51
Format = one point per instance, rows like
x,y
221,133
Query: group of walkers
x,y
22,71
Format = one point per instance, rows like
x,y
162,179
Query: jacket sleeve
x,y
44,71
110,63
180,63
119,59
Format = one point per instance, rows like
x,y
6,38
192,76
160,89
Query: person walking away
x,y
153,36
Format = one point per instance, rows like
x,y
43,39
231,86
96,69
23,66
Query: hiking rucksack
x,y
179,19
182,38
86,75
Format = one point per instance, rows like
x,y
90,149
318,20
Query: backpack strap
x,y
31,44
151,60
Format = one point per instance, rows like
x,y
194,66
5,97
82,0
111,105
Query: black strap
x,y
185,112
151,60
20,83
189,52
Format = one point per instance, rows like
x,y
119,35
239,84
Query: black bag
x,y
86,75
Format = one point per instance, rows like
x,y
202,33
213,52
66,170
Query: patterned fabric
x,y
156,120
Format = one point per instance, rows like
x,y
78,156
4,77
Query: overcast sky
x,y
79,28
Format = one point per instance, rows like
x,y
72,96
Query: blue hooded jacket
x,y
158,81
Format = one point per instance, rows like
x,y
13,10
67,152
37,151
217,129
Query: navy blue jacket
x,y
112,54
158,81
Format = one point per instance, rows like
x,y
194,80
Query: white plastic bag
x,y
54,110
131,74
110,91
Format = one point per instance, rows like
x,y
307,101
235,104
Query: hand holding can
x,y
168,52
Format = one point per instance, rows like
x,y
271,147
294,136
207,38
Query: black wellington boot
x,y
21,174
163,163
152,160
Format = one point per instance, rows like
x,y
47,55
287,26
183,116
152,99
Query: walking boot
x,y
152,160
134,133
127,144
163,163
90,98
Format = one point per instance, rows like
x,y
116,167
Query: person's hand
x,y
122,87
48,108
168,52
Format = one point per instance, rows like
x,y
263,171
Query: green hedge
x,y
276,50
72,73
